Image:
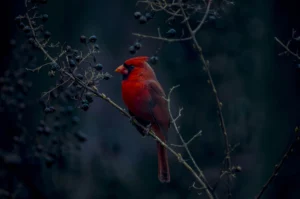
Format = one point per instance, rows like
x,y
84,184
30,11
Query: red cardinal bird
x,y
145,100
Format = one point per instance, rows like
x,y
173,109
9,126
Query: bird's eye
x,y
125,65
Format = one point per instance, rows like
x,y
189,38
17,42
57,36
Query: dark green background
x,y
257,88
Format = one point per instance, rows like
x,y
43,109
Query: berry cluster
x,y
135,47
75,71
143,19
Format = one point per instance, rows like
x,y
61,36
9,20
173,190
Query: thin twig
x,y
204,18
203,183
287,48
219,104
162,38
56,87
188,142
278,167
38,68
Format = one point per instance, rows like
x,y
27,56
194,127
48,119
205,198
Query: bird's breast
x,y
137,98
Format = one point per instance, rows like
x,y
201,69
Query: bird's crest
x,y
136,61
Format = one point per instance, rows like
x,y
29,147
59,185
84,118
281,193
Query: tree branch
x,y
287,48
205,63
204,182
278,167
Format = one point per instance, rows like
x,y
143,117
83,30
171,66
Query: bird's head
x,y
136,67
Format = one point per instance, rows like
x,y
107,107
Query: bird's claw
x,y
131,119
148,129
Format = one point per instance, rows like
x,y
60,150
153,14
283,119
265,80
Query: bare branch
x,y
38,68
203,181
278,167
162,38
287,48
188,142
179,115
204,18
56,87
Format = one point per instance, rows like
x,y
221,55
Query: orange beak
x,y
119,69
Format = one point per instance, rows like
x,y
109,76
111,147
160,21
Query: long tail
x,y
163,164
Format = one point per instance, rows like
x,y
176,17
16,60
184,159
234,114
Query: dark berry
x,y
49,161
143,20
72,63
75,52
68,49
148,16
212,17
171,32
52,109
137,15
89,98
85,106
153,60
98,67
83,39
47,34
78,58
31,40
22,26
47,110
106,76
137,45
84,101
79,76
93,39
54,66
132,50
26,29
45,17
18,19
75,120
80,136
96,47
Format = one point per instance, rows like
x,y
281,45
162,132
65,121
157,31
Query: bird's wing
x,y
159,106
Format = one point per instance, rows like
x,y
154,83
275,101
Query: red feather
x,y
145,99
136,61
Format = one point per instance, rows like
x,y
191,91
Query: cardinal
x,y
145,99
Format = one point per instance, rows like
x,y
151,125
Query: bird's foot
x,y
131,120
147,131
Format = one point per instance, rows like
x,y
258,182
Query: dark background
x,y
259,91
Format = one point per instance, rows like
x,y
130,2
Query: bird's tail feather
x,y
163,164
